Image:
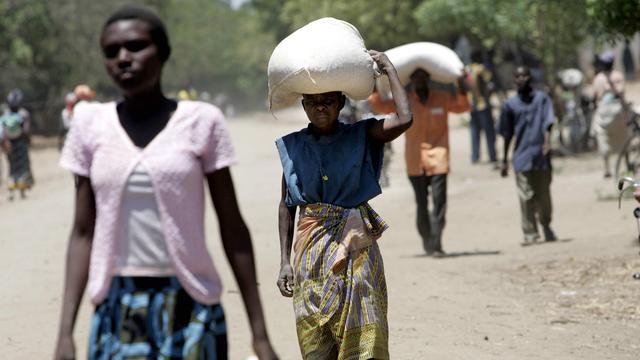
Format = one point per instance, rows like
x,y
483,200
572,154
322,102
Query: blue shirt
x,y
527,122
341,169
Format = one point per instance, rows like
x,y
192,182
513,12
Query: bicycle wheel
x,y
628,162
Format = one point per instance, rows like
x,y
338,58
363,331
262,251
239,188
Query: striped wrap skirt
x,y
341,312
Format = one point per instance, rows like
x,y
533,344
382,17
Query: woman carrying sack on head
x,y
17,131
609,125
337,281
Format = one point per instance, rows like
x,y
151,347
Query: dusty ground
x,y
491,299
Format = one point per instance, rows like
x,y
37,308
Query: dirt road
x,y
491,299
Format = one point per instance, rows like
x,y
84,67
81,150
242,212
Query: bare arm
x,y
459,103
26,125
505,159
77,268
550,120
393,126
236,241
5,145
506,130
462,85
286,217
546,146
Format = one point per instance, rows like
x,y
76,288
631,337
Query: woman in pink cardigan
x,y
137,241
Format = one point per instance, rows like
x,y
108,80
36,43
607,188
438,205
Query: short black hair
x,y
158,31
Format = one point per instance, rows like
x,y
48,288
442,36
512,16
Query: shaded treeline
x,y
49,46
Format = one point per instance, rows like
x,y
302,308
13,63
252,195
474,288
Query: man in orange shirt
x,y
427,151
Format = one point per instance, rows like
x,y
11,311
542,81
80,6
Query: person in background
x,y
427,151
348,113
4,148
138,237
330,172
16,122
609,126
81,95
70,101
481,86
188,93
528,116
628,62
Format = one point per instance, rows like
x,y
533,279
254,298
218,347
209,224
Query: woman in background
x,y
17,131
609,120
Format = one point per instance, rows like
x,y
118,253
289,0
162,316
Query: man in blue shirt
x,y
528,116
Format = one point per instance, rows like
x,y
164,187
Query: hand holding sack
x,y
323,56
442,63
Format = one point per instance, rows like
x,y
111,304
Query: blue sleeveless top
x,y
340,169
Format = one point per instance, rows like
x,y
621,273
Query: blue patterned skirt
x,y
154,318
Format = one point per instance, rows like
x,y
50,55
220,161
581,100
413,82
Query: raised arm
x,y
5,145
77,268
392,126
286,217
236,241
459,103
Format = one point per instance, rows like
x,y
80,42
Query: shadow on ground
x,y
535,243
458,254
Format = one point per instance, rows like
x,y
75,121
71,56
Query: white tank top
x,y
144,250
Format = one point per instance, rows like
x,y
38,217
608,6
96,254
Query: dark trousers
x,y
535,199
482,121
430,224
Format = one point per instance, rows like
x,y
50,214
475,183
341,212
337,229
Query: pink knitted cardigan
x,y
194,142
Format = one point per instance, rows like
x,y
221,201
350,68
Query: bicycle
x,y
573,129
575,109
634,184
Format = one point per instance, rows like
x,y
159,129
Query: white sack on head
x,y
322,56
571,77
442,63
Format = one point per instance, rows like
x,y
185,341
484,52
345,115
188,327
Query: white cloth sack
x,y
442,63
571,78
322,56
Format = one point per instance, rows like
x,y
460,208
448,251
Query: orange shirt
x,y
427,140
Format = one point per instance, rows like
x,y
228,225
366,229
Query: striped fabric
x,y
339,315
155,318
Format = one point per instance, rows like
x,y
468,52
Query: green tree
x,y
616,18
383,24
551,30
216,48
53,45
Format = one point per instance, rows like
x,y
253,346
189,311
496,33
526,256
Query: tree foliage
x,y
53,45
616,17
49,46
216,48
382,23
486,22
550,30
